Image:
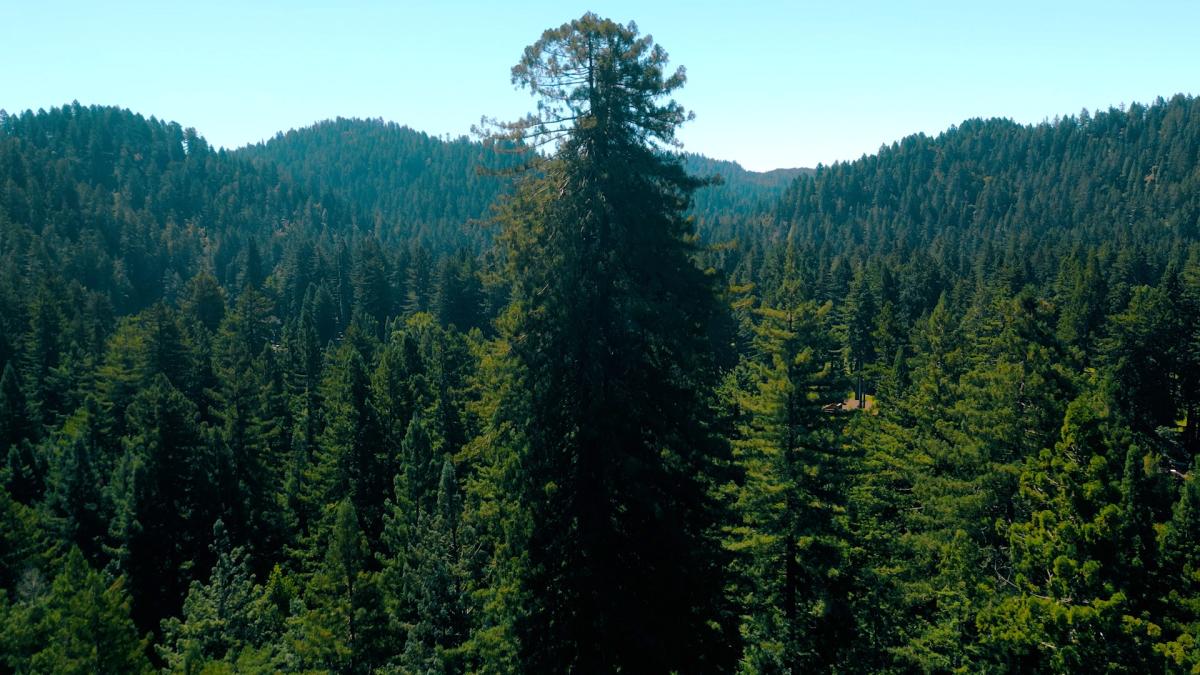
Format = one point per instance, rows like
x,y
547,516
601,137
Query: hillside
x,y
437,191
294,407
1127,177
741,195
411,185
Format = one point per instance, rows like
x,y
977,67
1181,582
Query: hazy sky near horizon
x,y
772,83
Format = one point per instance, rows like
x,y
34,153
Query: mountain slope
x,y
1127,177
722,209
410,184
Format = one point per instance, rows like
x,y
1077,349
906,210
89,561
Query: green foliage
x,y
409,186
14,413
76,502
340,626
349,462
79,624
1078,559
790,531
1179,548
218,617
287,409
615,556
165,492
437,571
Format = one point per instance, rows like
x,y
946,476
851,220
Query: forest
x,y
563,398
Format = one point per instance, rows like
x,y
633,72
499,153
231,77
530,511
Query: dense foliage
x,y
298,408
409,185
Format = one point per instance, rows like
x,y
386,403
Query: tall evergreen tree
x,y
1083,559
1179,548
14,414
349,461
43,352
861,313
247,428
620,568
438,579
75,499
166,498
341,626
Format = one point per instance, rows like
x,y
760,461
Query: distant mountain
x,y
408,184
1123,179
129,208
742,195
413,185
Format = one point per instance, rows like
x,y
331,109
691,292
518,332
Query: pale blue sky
x,y
773,84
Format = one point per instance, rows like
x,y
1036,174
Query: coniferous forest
x,y
565,399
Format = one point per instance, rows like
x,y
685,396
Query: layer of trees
x,y
297,408
410,187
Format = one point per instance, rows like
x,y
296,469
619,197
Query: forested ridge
x,y
410,186
568,399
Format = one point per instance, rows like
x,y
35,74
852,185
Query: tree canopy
x,y
363,400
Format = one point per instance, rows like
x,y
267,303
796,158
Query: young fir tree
x,y
249,423
166,501
75,500
341,627
349,462
80,624
860,315
1083,559
21,470
1179,552
44,350
437,579
939,481
218,619
205,301
14,413
620,568
791,534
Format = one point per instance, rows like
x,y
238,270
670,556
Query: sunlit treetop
x,y
596,78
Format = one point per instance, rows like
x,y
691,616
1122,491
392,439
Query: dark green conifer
x,y
620,567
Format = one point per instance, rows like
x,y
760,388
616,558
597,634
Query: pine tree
x,y
349,461
43,351
341,627
421,467
205,301
939,476
14,414
419,285
21,473
791,534
372,292
1179,550
23,544
248,429
459,293
620,564
861,313
81,625
75,498
1082,560
399,388
229,618
253,272
438,570
166,496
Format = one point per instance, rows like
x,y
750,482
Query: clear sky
x,y
773,83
